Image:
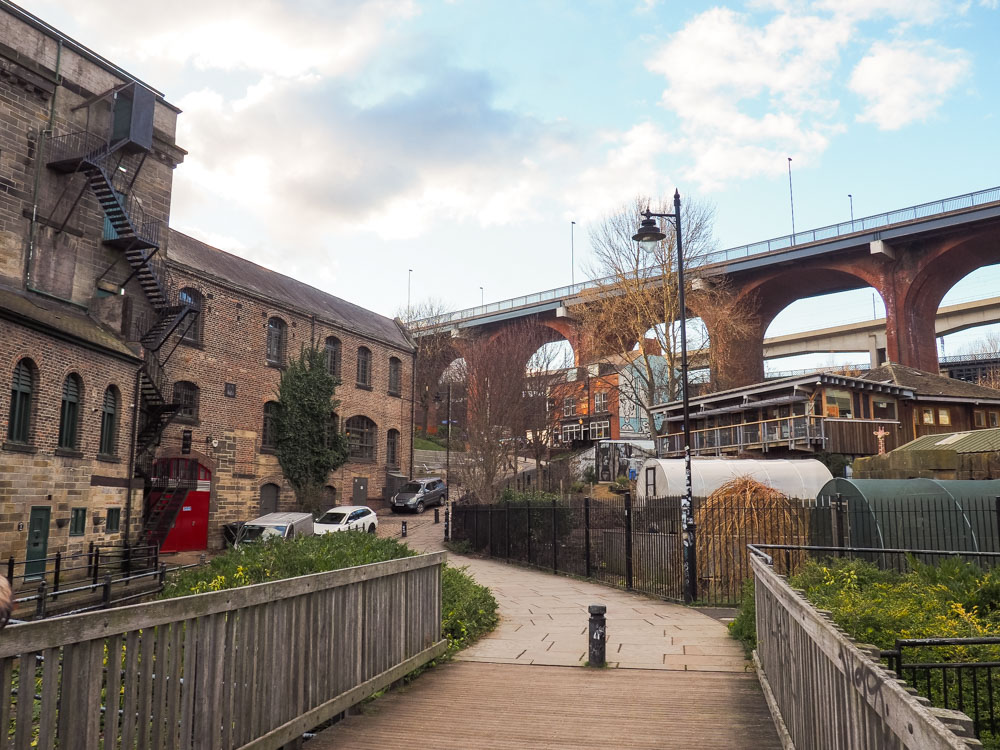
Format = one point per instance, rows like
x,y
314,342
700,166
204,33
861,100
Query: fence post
x,y
586,531
527,509
998,521
97,563
837,511
506,520
163,573
40,605
628,540
555,543
55,574
489,528
106,592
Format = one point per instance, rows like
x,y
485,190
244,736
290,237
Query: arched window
x,y
268,433
277,337
361,438
392,449
395,376
69,413
19,424
109,422
269,498
364,367
192,326
187,397
333,356
332,428
329,497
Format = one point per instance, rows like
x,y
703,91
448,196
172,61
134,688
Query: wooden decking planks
x,y
466,705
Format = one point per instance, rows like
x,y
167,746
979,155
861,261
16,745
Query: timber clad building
x,y
140,366
827,412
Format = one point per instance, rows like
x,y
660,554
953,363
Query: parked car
x,y
418,495
347,518
281,525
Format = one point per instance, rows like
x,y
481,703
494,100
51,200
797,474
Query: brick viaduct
x,y
911,264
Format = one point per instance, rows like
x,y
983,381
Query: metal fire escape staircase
x,y
162,512
110,170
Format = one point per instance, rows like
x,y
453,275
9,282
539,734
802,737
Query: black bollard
x,y
597,642
437,515
447,528
404,530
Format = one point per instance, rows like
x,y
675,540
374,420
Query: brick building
x,y
117,335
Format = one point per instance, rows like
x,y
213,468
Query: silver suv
x,y
418,495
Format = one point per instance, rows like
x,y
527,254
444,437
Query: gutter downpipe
x,y
39,158
131,456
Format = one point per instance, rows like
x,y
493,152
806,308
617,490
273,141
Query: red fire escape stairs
x,y
162,510
110,171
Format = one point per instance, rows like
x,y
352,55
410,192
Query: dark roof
x,y
60,320
820,377
976,441
930,385
282,291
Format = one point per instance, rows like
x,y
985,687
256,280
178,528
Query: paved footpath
x,y
679,680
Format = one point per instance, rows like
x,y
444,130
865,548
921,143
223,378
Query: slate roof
x,y
928,385
976,441
282,291
60,320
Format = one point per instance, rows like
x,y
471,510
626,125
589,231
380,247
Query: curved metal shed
x,y
938,514
801,478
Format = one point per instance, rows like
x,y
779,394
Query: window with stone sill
x,y
21,403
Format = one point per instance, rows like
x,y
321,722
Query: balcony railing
x,y
799,430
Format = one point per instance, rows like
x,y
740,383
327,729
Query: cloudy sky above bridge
x,y
346,142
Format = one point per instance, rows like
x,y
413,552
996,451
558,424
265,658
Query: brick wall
x,y
232,350
41,474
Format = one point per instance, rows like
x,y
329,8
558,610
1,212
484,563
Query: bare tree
x,y
495,371
634,309
434,351
988,344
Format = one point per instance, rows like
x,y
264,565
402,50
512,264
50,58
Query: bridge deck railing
x,y
864,224
252,667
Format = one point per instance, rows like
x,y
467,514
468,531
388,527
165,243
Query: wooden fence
x,y
253,667
828,693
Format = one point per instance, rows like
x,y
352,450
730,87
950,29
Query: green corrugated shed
x,y
956,514
975,441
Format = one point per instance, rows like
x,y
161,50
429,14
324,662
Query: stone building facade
x,y
92,346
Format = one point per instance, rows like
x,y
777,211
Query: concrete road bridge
x,y
912,257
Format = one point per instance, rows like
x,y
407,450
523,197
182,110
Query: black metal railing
x,y
962,674
637,544
92,563
80,144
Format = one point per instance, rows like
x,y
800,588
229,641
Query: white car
x,y
346,518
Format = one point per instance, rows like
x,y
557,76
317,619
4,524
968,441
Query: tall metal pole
x,y
572,255
791,198
687,510
447,471
851,199
482,297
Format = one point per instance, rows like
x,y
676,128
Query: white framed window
x,y
601,401
572,432
569,406
600,430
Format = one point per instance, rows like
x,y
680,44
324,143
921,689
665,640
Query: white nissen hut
x,y
800,478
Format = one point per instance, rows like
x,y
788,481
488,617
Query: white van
x,y
281,525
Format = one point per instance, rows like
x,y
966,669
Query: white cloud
x,y
748,96
902,82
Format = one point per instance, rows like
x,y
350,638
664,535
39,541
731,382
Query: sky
x,y
346,142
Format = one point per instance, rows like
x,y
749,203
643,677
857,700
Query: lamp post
x,y
482,297
648,236
447,468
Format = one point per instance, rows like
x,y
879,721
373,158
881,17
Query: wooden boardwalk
x,y
466,706
677,679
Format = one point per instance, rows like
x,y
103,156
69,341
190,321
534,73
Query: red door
x,y
190,529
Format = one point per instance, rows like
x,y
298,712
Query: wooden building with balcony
x,y
828,412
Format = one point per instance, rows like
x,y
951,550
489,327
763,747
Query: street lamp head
x,y
649,234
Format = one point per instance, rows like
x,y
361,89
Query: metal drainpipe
x,y
413,404
39,158
131,455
